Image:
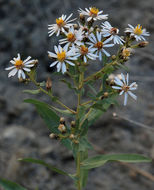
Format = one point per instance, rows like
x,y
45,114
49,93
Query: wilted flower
x,y
93,13
73,37
63,56
99,45
124,87
137,32
62,23
20,66
111,33
126,52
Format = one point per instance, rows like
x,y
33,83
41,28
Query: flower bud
x,y
62,120
143,44
76,141
71,136
106,94
62,128
90,23
72,124
75,26
52,135
113,57
82,18
48,84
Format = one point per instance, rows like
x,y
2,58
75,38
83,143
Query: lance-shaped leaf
x,y
32,91
50,118
41,162
9,185
100,160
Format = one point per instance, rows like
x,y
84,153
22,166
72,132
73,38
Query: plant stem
x,y
50,95
78,172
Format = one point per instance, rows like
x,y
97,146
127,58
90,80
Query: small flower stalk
x,y
82,44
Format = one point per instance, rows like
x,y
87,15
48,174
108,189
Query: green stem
x,y
50,95
78,171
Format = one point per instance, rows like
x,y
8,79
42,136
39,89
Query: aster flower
x,y
62,23
124,87
111,33
20,66
85,53
63,57
73,37
137,32
93,13
99,45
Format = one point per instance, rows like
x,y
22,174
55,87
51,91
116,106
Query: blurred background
x,y
23,29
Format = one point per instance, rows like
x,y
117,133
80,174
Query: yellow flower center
x,y
60,22
99,45
83,50
126,52
138,30
94,11
19,64
125,88
71,37
61,56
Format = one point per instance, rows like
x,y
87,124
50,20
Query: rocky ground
x,y
23,28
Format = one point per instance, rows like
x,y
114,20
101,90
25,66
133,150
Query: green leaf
x,y
51,118
102,159
9,185
65,112
84,172
84,128
94,115
41,162
32,91
84,144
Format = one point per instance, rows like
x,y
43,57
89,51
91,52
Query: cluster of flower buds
x,y
64,133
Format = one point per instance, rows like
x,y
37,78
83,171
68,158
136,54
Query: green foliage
x,y
9,185
41,162
32,91
50,118
100,160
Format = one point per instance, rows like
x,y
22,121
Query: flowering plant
x,y
81,44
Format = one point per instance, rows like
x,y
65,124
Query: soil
x,y
23,28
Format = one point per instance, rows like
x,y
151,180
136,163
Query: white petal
x,y
12,73
132,95
125,98
9,68
53,64
116,87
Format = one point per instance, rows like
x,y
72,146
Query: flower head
x,y
93,13
138,32
111,33
20,66
62,23
73,37
98,45
124,87
63,57
86,52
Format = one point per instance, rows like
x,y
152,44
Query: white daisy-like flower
x,y
63,56
73,37
62,23
124,87
99,45
85,53
137,32
20,66
111,33
93,13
